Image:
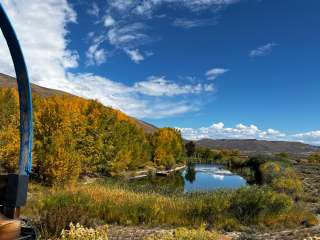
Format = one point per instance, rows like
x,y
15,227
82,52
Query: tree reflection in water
x,y
190,173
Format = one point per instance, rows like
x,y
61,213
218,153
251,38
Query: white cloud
x,y
240,131
215,5
192,23
312,137
123,33
108,92
121,5
262,50
215,72
159,86
109,21
41,28
96,55
135,55
126,98
127,35
147,7
94,10
44,41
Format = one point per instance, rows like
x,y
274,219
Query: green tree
x,y
190,148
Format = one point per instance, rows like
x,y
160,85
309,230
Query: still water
x,y
209,177
195,178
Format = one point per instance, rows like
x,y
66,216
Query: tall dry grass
x,y
96,204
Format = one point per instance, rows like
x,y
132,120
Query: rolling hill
x,y
10,82
259,146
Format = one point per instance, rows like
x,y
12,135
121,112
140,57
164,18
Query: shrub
x,y
78,232
269,171
291,186
295,216
314,158
210,207
57,210
186,234
252,204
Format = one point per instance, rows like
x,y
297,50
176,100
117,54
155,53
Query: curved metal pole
x,y
25,98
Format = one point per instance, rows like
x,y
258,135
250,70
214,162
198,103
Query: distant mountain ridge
x,y
10,82
258,146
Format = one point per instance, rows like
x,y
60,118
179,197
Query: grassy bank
x,y
98,204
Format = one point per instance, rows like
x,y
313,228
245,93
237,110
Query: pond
x,y
209,177
196,177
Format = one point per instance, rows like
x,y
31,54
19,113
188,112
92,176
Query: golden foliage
x,y
167,146
75,136
9,130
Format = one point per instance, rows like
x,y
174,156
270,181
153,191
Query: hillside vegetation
x,y
74,136
258,146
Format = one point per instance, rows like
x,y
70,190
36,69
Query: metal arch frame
x,y
25,98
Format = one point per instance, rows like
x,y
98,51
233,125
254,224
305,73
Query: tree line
x,y
74,136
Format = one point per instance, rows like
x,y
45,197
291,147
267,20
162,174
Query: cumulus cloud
x,y
126,98
215,73
261,51
44,40
159,86
240,131
135,55
42,37
109,21
312,137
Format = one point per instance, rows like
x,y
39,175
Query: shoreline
x,y
145,173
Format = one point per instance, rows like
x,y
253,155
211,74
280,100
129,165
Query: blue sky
x,y
213,68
